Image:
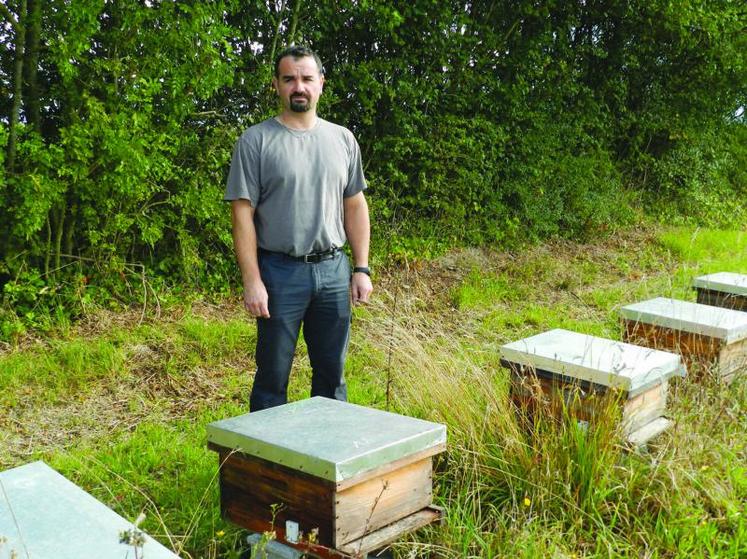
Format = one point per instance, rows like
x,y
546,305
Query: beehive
x,y
723,289
707,337
579,373
43,514
342,474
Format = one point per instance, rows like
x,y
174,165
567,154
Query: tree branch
x,y
9,16
279,23
294,22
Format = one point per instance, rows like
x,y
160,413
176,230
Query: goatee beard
x,y
300,107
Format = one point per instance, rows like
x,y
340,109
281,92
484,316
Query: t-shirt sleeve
x,y
356,180
243,178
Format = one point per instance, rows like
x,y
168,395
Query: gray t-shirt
x,y
296,181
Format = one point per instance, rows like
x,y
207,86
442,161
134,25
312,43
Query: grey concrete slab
x,y
599,360
725,282
717,322
43,515
327,438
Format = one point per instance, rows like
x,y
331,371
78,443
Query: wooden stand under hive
x,y
328,477
724,289
581,374
709,339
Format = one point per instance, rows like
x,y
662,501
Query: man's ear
x,y
275,84
321,81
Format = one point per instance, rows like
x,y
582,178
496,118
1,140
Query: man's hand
x,y
360,287
255,300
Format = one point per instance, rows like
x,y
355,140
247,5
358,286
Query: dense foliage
x,y
480,122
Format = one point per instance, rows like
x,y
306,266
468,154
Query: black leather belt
x,y
311,258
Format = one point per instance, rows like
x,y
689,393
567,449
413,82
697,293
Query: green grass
x,y
707,249
121,407
58,371
479,289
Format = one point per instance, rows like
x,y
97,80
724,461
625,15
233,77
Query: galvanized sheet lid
x,y
44,515
717,322
726,282
327,438
598,360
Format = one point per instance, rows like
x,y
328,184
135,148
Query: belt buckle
x,y
316,257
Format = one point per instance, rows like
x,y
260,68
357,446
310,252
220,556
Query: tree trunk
x,y
48,252
294,22
59,233
278,26
15,112
70,229
32,101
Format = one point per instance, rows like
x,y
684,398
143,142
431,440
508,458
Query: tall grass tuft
x,y
550,470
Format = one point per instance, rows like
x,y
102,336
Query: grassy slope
x,y
120,407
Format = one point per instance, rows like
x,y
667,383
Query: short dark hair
x,y
298,51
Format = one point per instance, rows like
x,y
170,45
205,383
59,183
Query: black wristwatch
x,y
362,270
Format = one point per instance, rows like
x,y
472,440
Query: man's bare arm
x,y
358,231
245,244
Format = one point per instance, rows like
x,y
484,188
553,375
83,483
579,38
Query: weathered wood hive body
x,y
339,471
723,289
44,515
579,373
710,338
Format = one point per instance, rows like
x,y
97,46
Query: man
x,y
296,190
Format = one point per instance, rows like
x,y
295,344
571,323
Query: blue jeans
x,y
317,295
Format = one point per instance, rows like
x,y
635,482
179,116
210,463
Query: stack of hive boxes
x,y
44,515
710,339
328,477
724,289
582,374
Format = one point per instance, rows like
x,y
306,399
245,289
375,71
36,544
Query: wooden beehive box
x,y
580,373
342,472
724,289
44,515
711,338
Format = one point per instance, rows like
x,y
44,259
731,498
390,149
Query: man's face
x,y
299,83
